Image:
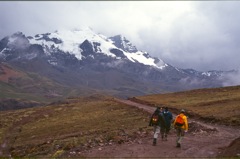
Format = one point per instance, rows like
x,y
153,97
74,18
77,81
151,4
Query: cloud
x,y
231,79
187,34
202,38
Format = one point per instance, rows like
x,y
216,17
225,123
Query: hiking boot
x,y
178,145
154,142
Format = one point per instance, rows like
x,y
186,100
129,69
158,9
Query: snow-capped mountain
x,y
96,61
117,47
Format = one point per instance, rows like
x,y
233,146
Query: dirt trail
x,y
205,140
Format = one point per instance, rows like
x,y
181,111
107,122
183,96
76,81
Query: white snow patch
x,y
3,50
139,57
31,56
207,74
52,62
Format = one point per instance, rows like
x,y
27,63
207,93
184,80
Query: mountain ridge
x,y
82,59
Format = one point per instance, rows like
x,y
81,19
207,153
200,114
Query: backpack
x,y
179,121
155,119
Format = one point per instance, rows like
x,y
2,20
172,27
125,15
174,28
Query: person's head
x,y
161,109
166,109
182,111
157,110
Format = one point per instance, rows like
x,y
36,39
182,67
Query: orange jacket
x,y
185,126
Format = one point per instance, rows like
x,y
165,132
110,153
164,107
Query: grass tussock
x,y
80,122
218,104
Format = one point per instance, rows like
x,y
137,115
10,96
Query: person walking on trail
x,y
181,125
168,120
158,123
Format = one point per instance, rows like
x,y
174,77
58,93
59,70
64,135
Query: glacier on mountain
x,y
70,40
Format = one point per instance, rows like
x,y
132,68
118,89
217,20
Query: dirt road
x,y
202,140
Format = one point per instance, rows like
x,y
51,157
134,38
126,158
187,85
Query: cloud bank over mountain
x,y
187,34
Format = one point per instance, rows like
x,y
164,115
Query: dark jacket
x,y
168,118
161,121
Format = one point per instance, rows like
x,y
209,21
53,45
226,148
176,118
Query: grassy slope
x,y
218,104
45,131
17,84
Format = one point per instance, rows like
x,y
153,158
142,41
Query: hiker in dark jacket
x,y
168,120
159,125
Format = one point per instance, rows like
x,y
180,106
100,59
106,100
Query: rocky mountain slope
x,y
84,61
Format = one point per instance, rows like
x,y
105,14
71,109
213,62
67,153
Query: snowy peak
x,y
70,41
81,43
85,42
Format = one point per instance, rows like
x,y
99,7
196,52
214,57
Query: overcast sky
x,y
203,35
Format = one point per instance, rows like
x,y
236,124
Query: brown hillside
x,y
79,122
6,73
214,105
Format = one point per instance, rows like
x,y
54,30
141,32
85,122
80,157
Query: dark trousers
x,y
180,135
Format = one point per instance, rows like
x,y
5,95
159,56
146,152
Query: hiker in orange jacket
x,y
181,125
